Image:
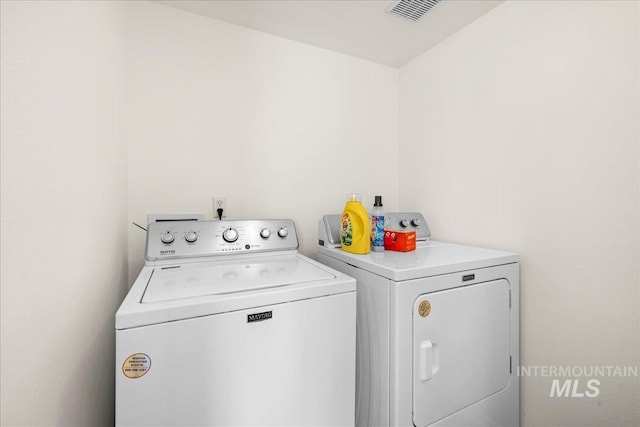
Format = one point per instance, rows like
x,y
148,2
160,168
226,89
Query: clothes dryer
x,y
227,324
437,330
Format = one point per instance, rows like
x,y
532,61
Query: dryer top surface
x,y
430,258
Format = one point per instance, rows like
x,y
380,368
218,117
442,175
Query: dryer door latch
x,y
429,360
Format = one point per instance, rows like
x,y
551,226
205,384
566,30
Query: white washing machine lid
x,y
182,291
430,258
229,277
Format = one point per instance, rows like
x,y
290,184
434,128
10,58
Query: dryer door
x,y
460,348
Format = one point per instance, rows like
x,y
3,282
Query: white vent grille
x,y
411,9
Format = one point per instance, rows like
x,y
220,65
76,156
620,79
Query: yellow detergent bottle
x,y
355,230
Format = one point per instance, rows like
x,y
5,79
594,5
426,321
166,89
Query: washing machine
x,y
437,330
228,325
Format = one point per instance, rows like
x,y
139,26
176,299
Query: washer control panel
x,y
407,221
190,239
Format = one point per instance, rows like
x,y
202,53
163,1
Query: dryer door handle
x,y
429,360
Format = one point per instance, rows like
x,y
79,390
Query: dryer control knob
x,y
167,237
404,223
191,236
265,233
230,235
283,232
415,222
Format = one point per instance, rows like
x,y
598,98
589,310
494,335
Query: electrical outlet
x,y
220,203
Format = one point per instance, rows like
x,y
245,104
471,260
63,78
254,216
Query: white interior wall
x,y
282,129
63,201
542,94
524,130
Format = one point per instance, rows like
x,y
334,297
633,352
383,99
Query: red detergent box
x,y
401,241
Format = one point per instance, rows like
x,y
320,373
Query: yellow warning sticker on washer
x,y
136,365
424,308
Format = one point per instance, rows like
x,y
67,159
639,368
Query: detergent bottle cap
x,y
378,201
353,197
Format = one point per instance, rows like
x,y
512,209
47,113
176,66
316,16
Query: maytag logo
x,y
168,252
256,317
468,277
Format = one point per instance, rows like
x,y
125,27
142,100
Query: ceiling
x,y
358,28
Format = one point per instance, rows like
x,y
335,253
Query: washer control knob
x,y
404,223
415,222
265,233
283,232
167,237
230,235
191,236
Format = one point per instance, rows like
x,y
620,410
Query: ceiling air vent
x,y
411,9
